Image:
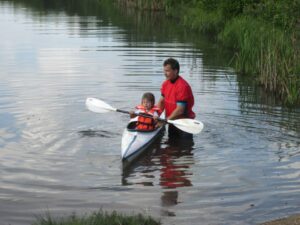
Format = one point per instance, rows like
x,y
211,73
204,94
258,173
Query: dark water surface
x,y
56,156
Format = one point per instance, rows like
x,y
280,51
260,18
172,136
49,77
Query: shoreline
x,y
103,217
289,220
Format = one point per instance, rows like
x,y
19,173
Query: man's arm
x,y
161,103
178,112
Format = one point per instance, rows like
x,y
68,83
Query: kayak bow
x,y
135,142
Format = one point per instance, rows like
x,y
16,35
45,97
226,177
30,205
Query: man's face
x,y
170,73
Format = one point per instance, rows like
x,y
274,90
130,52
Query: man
x,y
176,96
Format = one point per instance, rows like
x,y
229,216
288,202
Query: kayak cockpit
x,y
132,128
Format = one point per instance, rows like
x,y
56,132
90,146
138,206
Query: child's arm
x,y
132,114
161,103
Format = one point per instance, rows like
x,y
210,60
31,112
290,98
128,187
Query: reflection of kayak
x,y
135,142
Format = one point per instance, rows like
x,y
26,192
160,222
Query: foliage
x,y
281,13
142,4
266,51
98,218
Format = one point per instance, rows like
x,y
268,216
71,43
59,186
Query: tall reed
x,y
267,53
143,4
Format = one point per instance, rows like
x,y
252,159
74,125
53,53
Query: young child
x,y
146,107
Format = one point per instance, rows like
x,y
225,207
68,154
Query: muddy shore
x,y
291,220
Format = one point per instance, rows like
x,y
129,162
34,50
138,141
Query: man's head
x,y
148,100
171,68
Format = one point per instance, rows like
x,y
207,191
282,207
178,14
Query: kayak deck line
x,y
134,137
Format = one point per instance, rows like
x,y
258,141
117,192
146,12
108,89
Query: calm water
x,y
56,156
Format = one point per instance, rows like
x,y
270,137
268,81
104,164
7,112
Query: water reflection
x,y
54,54
8,129
172,159
176,159
97,133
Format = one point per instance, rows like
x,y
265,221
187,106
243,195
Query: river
x,y
58,157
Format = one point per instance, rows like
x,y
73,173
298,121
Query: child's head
x,y
148,100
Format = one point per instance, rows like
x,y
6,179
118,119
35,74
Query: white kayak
x,y
135,142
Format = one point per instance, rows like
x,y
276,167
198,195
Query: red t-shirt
x,y
178,92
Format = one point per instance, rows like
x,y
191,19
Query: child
x,y
147,107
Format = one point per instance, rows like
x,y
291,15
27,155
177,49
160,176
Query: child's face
x,y
147,104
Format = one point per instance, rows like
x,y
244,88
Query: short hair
x,y
173,63
149,96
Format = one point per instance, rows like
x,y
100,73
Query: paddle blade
x,y
188,125
98,106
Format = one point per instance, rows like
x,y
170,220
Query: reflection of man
x,y
176,96
172,175
168,199
175,171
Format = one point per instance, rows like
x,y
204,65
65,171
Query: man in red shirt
x,y
176,96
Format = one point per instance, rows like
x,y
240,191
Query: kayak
x,y
135,142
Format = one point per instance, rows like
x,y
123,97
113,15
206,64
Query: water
x,y
57,157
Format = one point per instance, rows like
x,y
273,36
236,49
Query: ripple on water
x,y
57,156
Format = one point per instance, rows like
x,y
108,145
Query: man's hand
x,y
158,123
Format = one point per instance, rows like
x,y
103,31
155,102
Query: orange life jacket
x,y
146,123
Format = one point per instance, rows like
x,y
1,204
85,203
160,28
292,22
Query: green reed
x,y
97,218
267,53
143,4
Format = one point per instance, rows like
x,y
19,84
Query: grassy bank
x,y
263,36
98,218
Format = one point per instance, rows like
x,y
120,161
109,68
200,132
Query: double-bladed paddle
x,y
188,125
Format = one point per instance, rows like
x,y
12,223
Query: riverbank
x,y
114,218
263,37
291,220
98,218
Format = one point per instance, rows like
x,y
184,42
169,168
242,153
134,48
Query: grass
x,y
97,218
268,54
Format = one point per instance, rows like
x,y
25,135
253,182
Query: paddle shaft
x,y
141,114
178,125
184,124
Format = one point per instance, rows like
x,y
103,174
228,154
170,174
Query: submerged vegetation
x,y
98,218
263,34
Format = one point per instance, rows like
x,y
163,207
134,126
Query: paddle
x,y
188,125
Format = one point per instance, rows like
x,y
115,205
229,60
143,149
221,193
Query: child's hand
x,y
132,114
